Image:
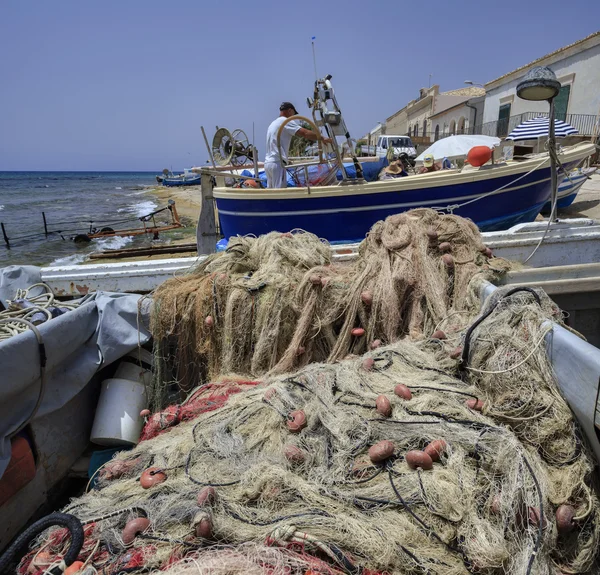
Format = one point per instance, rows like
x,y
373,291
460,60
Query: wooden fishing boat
x,y
188,178
569,188
495,197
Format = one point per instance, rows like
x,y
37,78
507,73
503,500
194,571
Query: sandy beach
x,y
187,199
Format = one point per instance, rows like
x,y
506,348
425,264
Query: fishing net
x,y
362,417
280,301
482,468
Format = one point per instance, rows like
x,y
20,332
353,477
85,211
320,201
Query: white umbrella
x,y
539,127
457,146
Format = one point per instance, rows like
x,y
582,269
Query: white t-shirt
x,y
272,153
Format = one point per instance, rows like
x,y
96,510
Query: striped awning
x,y
538,127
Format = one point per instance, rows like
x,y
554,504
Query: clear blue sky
x,y
126,84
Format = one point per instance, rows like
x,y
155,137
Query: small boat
x,y
569,188
188,178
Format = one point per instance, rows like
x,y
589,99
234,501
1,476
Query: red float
x,y
479,155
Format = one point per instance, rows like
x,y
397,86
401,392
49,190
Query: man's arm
x,y
310,135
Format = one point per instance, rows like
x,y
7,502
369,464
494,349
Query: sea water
x,y
72,202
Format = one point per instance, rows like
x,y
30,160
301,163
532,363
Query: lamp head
x,y
539,84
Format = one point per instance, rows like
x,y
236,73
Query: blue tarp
x,y
370,172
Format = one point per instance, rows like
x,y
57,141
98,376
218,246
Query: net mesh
x,y
446,449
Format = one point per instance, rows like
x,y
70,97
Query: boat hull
x,y
171,183
495,198
568,190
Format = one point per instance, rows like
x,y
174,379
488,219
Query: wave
x,y
140,209
68,260
113,243
1,208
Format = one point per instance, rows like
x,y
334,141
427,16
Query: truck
x,y
400,144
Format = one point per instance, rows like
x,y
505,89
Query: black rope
x,y
467,345
204,483
235,515
424,525
540,534
412,387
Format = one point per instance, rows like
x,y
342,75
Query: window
x,y
452,128
503,117
437,132
399,142
561,103
424,128
416,134
461,125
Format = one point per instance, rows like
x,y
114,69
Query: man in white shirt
x,y
274,163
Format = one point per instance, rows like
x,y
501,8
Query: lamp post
x,y
539,84
470,83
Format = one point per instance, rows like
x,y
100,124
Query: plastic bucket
x,y
136,366
118,420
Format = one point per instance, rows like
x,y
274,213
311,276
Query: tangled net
x,y
278,302
288,475
444,449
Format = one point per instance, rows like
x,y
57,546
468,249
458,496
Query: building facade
x,y
577,67
457,112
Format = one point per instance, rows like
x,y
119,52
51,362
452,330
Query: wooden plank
x,y
206,232
135,252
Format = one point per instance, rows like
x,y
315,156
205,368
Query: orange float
x,y
479,155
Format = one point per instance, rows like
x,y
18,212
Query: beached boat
x,y
569,188
495,197
188,178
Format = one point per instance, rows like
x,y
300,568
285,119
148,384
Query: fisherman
x,y
274,163
394,170
429,165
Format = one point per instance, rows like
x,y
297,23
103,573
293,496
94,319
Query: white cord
x,y
451,208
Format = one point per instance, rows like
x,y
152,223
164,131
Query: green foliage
x,y
299,144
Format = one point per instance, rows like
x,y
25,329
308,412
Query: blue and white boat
x,y
495,197
570,186
188,178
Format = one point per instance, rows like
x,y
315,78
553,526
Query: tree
x,y
299,144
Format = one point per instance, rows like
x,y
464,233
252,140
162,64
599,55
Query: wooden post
x,y
206,233
45,224
5,236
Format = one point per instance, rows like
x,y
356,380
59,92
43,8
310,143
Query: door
x,y
503,116
561,103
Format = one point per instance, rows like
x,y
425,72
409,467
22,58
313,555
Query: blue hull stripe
x,y
350,214
400,207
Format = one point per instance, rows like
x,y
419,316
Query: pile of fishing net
x,y
359,419
407,459
281,301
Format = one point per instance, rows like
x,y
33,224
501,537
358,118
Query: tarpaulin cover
x,y
77,344
370,172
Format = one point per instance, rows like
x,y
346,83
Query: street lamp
x,y
470,83
539,84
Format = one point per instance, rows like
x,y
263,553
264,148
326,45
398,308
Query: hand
x,y
327,141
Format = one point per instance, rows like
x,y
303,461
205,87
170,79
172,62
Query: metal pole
x,y
45,224
255,161
553,166
208,147
315,61
5,236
